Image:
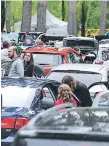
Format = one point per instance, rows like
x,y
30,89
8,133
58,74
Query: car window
x,y
71,58
83,77
77,58
48,98
15,96
105,55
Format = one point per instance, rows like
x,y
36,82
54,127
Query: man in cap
x,y
16,67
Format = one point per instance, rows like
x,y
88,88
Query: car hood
x,y
17,112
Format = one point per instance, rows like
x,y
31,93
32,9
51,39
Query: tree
x,y
103,17
8,16
2,15
63,10
41,16
72,18
26,16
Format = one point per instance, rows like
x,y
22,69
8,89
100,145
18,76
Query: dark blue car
x,y
22,98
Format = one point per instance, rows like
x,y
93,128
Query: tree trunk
x,y
41,16
103,17
63,10
2,15
72,18
26,16
8,16
83,19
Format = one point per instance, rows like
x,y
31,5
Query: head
x,y
27,34
70,81
6,44
64,92
14,52
28,57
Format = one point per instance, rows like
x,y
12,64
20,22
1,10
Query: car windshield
x,y
104,42
76,120
87,78
49,59
76,43
15,96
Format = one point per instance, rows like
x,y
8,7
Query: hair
x,y
61,88
68,80
6,44
31,58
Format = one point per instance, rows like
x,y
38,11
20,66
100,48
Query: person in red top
x,y
65,95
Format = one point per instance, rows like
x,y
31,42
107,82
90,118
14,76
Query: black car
x,y
65,125
22,99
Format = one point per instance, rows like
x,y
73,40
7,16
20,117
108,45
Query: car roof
x,y
80,67
79,38
50,50
25,82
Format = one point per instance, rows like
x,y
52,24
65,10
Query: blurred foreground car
x,y
22,98
84,73
101,100
65,125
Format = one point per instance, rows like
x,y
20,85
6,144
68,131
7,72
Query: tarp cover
x,y
51,22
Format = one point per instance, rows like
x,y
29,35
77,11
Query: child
x,y
65,95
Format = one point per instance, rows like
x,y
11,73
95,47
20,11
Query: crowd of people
x,y
70,90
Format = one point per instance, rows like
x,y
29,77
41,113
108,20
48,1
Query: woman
x,y
28,64
65,95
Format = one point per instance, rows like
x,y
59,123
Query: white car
x,y
85,73
102,99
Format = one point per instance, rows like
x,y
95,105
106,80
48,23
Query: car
x,y
66,126
101,100
103,55
23,98
49,57
85,44
21,35
85,73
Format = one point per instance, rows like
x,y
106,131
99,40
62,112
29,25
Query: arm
x,y
20,68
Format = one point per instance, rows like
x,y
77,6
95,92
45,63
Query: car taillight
x,y
16,123
8,123
43,93
96,94
20,122
99,62
104,98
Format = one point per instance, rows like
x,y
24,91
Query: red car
x,y
49,57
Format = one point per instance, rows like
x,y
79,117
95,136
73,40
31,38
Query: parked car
x,y
103,55
85,44
23,98
49,57
85,73
65,127
101,100
21,36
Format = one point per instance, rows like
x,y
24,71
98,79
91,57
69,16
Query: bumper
x,y
7,141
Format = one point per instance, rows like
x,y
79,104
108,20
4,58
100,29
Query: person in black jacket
x,y
80,90
28,64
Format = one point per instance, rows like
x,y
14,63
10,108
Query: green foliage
x,y
92,11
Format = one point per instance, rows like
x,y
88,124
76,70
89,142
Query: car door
x,y
49,98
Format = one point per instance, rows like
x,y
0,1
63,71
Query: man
x,y
80,90
29,41
17,67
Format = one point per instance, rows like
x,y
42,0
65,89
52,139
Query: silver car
x,y
102,99
85,73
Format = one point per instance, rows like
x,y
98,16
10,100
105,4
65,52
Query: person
x,y
80,90
89,35
29,41
107,34
65,95
6,45
28,64
16,68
